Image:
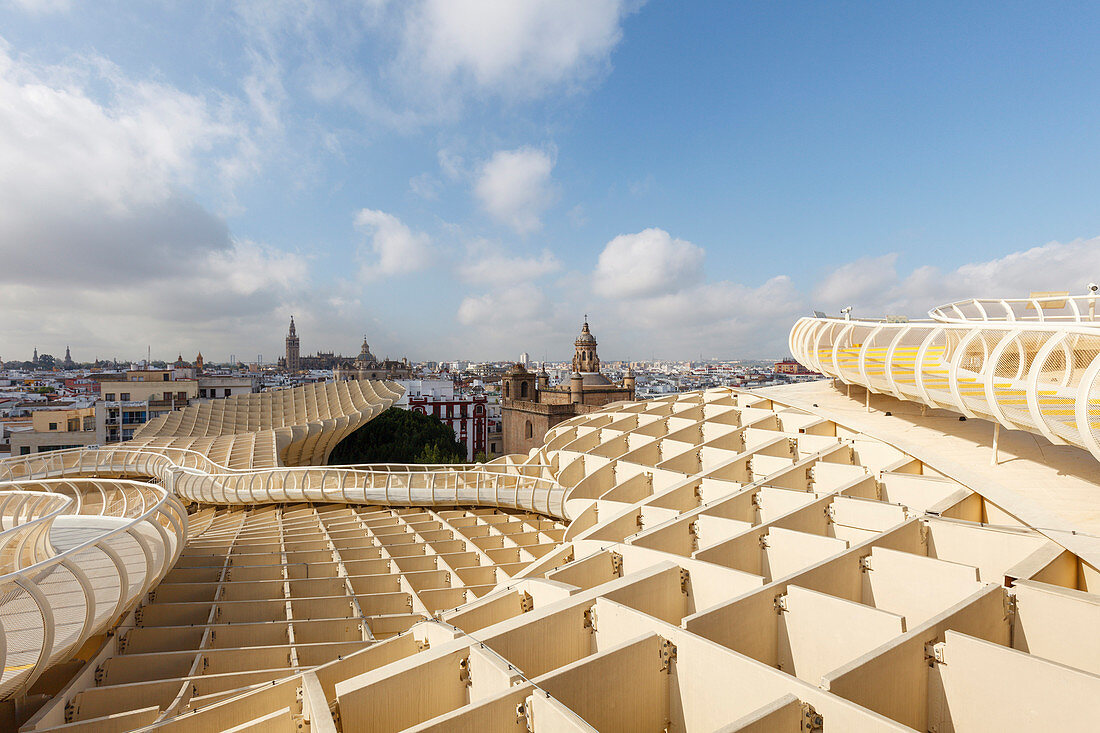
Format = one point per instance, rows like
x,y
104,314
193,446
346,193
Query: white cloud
x,y
486,263
874,287
507,307
646,264
130,151
517,49
395,248
858,281
514,187
100,241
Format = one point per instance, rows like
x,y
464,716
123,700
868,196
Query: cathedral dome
x,y
364,353
586,336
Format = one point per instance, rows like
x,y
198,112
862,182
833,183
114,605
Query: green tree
x,y
400,436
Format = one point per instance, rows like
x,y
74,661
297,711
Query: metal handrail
x,y
1041,309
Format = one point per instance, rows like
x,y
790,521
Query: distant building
x,y
525,359
790,366
530,406
467,416
292,362
57,429
368,366
364,366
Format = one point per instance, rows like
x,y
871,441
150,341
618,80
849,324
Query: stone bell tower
x,y
585,358
293,362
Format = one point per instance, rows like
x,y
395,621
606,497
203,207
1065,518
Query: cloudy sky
x,y
467,178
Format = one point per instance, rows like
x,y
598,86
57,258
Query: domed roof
x,y
595,379
586,336
364,353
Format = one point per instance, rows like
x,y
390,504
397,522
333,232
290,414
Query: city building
x,y
792,367
364,366
530,406
845,554
57,428
368,366
467,416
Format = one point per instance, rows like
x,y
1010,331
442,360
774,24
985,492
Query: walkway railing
x,y
1043,377
1044,309
76,555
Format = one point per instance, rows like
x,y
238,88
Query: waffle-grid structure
x,y
730,563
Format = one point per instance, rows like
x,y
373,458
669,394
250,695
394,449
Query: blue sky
x,y
466,179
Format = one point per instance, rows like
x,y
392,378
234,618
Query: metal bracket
x,y
71,710
811,719
685,579
526,602
792,446
765,541
934,653
830,514
667,652
780,603
616,564
865,563
590,618
464,671
1009,605
100,675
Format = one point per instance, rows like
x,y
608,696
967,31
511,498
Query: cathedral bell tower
x,y
293,363
585,358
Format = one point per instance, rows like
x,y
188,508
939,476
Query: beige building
x,y
530,406
57,429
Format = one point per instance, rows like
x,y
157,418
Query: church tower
x,y
293,362
68,363
585,359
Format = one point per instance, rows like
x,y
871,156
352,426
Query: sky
x,y
461,179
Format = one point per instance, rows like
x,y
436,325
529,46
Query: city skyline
x,y
456,186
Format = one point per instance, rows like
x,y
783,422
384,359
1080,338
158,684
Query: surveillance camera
x,y
846,310
1093,287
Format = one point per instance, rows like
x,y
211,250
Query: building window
x,y
125,396
528,431
523,391
165,377
181,395
53,426
110,396
24,450
228,392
